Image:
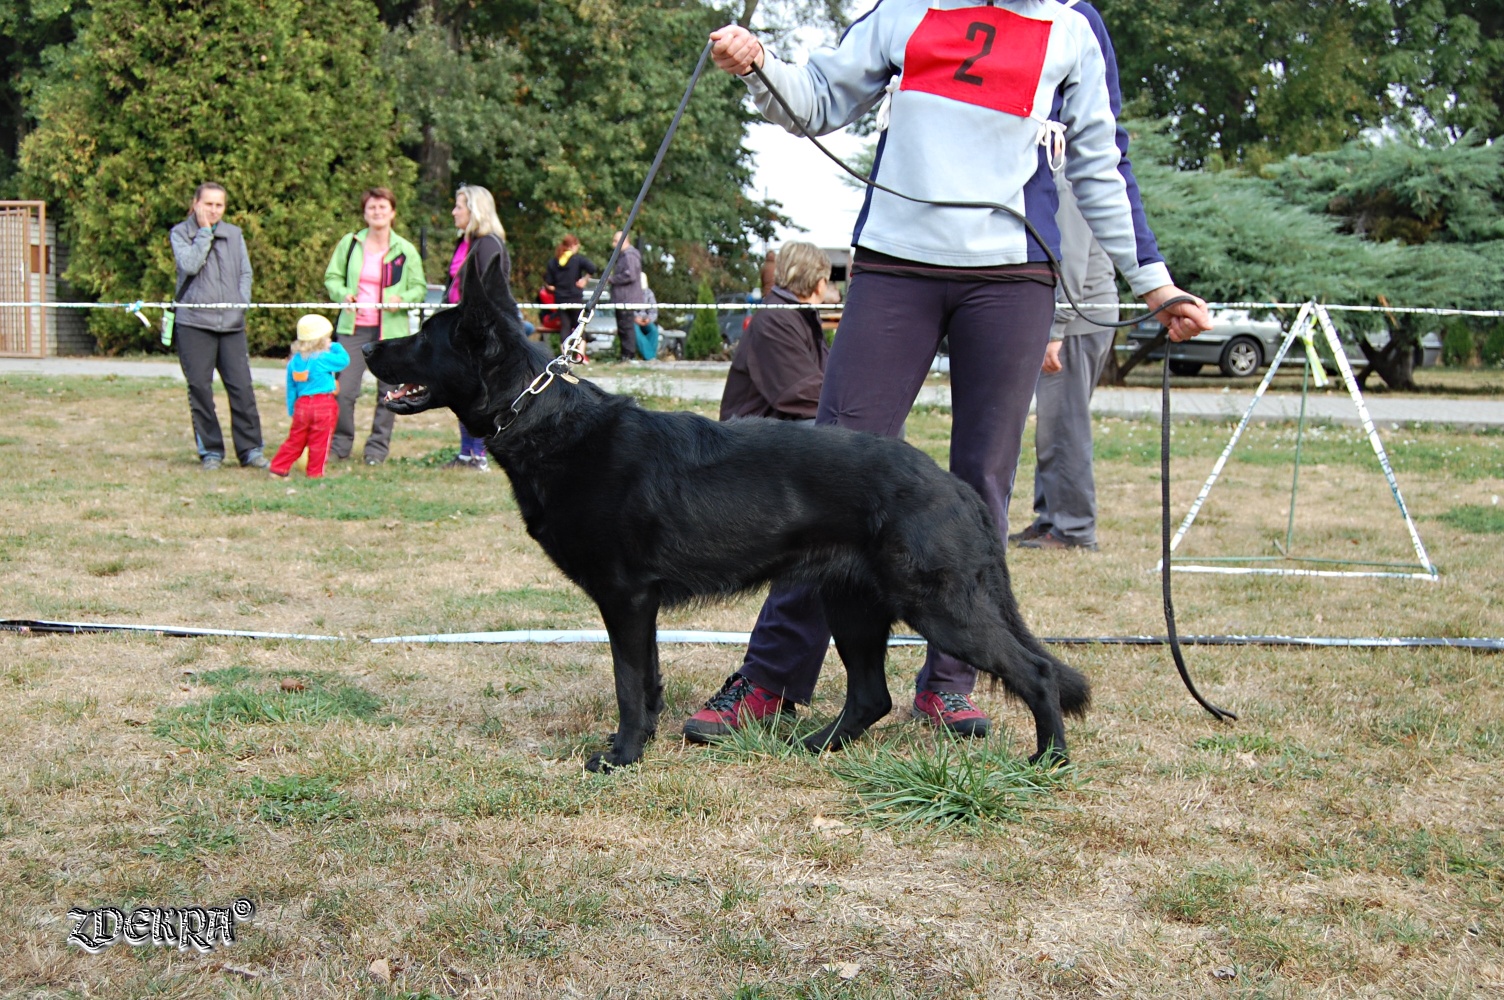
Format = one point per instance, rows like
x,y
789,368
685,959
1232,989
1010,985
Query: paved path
x,y
703,380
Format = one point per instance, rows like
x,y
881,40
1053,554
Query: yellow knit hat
x,y
313,327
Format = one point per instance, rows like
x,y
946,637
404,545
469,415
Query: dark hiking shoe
x,y
1055,543
210,463
952,711
738,702
1030,533
256,460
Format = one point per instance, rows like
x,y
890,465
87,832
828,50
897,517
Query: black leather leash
x,y
572,348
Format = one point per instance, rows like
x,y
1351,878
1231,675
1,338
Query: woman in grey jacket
x,y
213,267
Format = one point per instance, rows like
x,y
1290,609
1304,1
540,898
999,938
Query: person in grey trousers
x,y
626,287
212,266
1065,493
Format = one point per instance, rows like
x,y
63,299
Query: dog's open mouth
x,y
411,395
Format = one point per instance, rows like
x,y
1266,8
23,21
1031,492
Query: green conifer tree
x,y
704,339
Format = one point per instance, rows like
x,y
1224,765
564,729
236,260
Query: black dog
x,y
646,509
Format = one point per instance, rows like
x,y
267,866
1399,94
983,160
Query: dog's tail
x,y
1074,688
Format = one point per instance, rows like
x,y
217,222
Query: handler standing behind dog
x,y
371,267
212,266
779,363
989,95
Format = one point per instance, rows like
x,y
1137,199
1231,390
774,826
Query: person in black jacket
x,y
483,240
779,363
565,279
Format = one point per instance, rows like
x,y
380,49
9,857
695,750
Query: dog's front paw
x,y
1050,759
605,763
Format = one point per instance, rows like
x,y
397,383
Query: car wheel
x,y
1241,357
1185,367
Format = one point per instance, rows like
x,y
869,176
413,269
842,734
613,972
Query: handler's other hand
x,y
736,50
1051,358
1184,320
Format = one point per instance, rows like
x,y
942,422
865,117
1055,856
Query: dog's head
x,y
473,359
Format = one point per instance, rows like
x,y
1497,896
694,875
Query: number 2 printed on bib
x,y
986,56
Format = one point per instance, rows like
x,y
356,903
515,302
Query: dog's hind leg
x,y
979,633
860,628
632,623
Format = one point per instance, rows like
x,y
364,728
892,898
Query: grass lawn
x,y
415,821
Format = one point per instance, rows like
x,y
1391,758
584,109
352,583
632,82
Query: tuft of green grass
x,y
298,798
775,740
108,567
1417,854
1201,895
192,835
1256,743
1477,520
946,785
246,698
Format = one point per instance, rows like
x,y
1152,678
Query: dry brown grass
x,y
426,805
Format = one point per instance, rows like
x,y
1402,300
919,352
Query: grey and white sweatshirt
x,y
982,96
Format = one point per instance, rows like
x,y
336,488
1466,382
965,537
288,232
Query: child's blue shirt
x,y
312,374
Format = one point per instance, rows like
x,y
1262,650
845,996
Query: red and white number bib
x,y
987,56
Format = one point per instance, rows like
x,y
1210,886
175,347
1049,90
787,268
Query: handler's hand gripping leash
x,y
1221,714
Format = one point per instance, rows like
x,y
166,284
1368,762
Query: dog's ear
x,y
498,293
489,316
473,282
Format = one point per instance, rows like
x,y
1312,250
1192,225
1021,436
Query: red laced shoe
x,y
952,711
738,702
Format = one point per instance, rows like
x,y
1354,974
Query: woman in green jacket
x,y
370,267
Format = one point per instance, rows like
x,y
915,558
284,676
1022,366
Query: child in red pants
x,y
311,396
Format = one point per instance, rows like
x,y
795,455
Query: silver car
x,y
1237,344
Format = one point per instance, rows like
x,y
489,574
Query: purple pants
x,y
470,445
888,336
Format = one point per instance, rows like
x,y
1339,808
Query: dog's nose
x,y
368,348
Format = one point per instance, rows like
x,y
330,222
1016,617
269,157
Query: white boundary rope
x,y
692,637
713,306
430,307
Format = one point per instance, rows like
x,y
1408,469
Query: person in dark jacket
x,y
626,285
212,267
564,278
483,240
779,363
